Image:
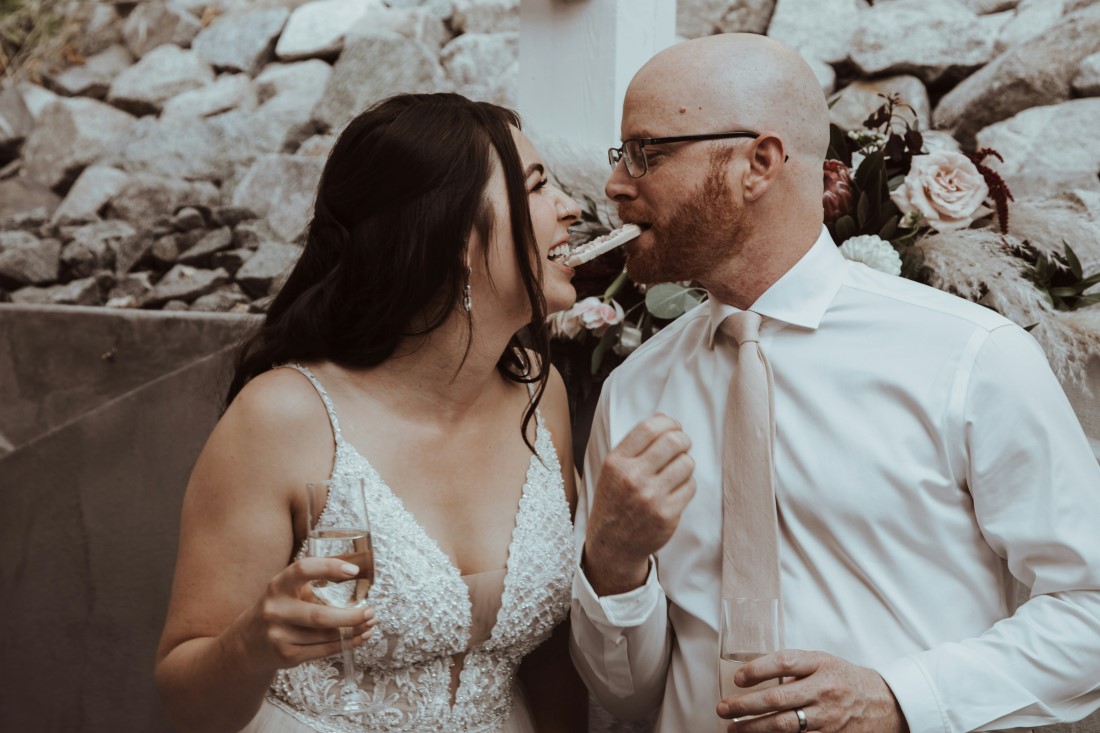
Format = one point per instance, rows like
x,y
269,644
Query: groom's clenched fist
x,y
643,487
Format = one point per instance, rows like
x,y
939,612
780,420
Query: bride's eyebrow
x,y
534,168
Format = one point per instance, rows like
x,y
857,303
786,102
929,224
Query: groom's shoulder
x,y
667,347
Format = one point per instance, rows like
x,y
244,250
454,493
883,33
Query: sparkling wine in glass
x,y
339,526
749,630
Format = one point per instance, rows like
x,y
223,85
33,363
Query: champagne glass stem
x,y
351,684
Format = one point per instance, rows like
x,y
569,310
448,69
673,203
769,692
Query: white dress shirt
x,y
926,459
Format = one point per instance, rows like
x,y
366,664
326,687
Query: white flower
x,y
629,339
945,188
871,250
868,140
591,313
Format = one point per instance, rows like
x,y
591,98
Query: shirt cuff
x,y
915,695
622,611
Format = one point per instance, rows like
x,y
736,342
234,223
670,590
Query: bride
x,y
391,354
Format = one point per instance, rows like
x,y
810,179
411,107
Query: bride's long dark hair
x,y
385,252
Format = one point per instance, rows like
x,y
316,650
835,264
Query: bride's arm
x,y
235,615
557,697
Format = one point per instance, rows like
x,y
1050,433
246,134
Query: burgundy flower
x,y
838,190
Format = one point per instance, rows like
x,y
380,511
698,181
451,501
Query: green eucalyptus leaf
x,y
1086,300
669,300
845,228
1073,262
890,229
1066,291
609,339
862,210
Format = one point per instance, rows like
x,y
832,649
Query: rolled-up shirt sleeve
x,y
620,644
1035,486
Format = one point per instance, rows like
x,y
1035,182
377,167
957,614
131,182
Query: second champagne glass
x,y
339,526
749,629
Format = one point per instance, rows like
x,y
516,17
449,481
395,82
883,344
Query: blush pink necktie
x,y
750,530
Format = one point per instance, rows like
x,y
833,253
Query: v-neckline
x,y
444,559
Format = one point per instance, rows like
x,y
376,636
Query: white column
x,y
577,57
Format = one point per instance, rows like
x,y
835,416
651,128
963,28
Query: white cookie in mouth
x,y
600,245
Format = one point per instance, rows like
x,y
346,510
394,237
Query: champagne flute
x,y
749,630
339,526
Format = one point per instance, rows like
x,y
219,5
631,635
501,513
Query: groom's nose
x,y
620,186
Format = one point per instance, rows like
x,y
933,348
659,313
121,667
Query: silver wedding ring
x,y
802,722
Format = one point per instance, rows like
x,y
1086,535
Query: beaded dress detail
x,y
426,616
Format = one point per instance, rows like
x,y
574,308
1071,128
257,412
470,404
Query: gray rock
x,y
166,250
186,283
191,148
265,269
227,92
318,145
927,38
25,220
1087,81
373,66
176,305
1035,167
281,188
93,189
20,194
85,291
231,260
251,234
187,219
443,9
747,16
102,30
202,250
94,247
231,216
131,290
93,78
860,98
825,73
292,78
241,41
146,199
71,135
222,300
154,23
818,29
416,24
33,295
489,16
317,29
25,260
484,66
37,98
1036,72
163,73
1032,18
985,7
16,121
132,251
698,18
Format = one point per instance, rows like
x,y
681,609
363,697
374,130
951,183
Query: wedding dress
x,y
446,649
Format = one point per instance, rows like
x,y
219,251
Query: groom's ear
x,y
766,159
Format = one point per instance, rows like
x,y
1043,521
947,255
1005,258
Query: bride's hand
x,y
287,627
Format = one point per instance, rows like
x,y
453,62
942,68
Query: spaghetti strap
x,y
339,436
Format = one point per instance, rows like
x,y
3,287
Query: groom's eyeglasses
x,y
632,153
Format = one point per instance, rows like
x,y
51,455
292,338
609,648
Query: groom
x,y
925,458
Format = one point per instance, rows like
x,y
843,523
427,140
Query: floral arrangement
x,y
891,194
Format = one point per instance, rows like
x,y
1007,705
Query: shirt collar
x,y
801,296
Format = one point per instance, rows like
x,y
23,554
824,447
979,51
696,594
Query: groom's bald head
x,y
733,80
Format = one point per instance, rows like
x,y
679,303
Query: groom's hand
x,y
833,694
644,485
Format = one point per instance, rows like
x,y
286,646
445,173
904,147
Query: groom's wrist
x,y
610,574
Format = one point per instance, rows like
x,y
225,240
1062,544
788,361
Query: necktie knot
x,y
742,327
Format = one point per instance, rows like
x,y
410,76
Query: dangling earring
x,y
466,302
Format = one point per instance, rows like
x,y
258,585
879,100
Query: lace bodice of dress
x,y
424,610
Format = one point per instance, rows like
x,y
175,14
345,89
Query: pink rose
x,y
597,316
945,189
